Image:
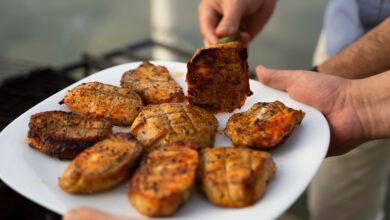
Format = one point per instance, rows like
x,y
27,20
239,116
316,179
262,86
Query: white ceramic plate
x,y
35,175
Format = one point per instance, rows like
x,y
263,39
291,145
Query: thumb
x,y
278,79
321,91
230,21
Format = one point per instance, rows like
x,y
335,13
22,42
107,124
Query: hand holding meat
x,y
219,18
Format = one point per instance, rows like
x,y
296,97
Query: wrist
x,y
360,107
371,104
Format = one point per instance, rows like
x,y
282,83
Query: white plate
x,y
35,175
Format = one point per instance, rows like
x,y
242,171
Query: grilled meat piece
x,y
103,165
218,78
263,126
165,180
234,177
120,105
65,134
160,125
153,84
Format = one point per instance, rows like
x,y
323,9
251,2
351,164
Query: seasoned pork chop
x,y
103,165
65,134
165,180
263,126
120,105
160,125
218,78
153,84
234,177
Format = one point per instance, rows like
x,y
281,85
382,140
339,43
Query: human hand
x,y
84,213
219,18
335,97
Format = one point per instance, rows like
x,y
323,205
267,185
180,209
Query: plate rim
x,y
55,208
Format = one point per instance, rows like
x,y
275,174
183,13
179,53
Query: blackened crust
x,y
218,78
64,134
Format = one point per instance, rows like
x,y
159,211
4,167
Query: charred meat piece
x,y
165,180
218,78
160,125
103,165
65,134
234,177
263,126
153,84
120,105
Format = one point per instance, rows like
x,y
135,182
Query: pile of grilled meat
x,y
170,143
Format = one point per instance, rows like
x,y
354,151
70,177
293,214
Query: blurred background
x,y
46,45
56,33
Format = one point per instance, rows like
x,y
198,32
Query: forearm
x,y
371,98
365,57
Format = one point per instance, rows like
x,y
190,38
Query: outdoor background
x,y
54,33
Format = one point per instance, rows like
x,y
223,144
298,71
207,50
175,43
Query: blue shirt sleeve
x,y
347,20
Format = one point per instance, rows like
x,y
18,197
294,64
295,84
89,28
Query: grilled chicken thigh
x,y
234,177
160,125
103,165
65,134
153,84
218,78
165,180
120,105
263,126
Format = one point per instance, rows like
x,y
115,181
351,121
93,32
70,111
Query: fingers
x,y
300,85
318,90
278,79
230,22
256,22
84,213
244,38
208,20
206,43
212,26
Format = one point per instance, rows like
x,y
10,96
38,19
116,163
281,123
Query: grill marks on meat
x,y
64,134
165,180
120,105
234,177
103,165
263,126
161,125
218,78
153,83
